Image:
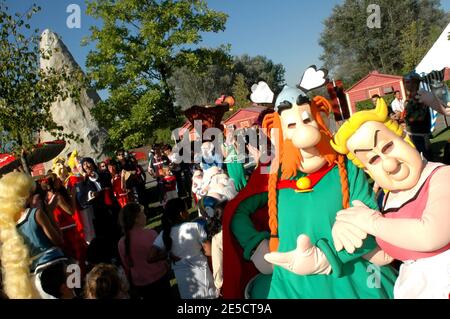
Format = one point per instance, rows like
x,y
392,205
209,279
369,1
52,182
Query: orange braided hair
x,y
273,121
290,156
321,104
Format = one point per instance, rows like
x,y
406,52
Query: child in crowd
x,y
104,282
169,182
186,244
147,269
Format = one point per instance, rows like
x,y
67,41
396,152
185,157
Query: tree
x,y
351,49
27,91
240,92
414,45
205,86
259,68
138,48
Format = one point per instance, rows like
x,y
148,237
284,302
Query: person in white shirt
x,y
187,246
397,105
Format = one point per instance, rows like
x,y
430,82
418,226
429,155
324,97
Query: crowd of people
x,y
94,215
82,230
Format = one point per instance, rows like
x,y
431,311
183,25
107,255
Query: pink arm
x,y
428,233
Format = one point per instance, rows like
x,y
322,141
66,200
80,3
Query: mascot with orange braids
x,y
298,198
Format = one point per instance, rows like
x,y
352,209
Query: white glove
x,y
306,259
347,236
258,258
360,216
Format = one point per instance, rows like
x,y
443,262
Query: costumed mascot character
x,y
414,223
61,170
307,185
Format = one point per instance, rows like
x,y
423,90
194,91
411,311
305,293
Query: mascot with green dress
x,y
278,231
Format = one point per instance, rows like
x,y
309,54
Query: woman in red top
x,y
58,203
71,181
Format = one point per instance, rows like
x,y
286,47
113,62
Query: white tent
x,y
436,59
439,55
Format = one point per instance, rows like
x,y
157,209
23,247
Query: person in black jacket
x,y
95,193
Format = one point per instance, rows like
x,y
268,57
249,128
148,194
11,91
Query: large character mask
x,y
298,129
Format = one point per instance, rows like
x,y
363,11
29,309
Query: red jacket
x,y
237,272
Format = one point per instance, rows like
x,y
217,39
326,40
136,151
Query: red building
x,y
189,127
374,83
244,117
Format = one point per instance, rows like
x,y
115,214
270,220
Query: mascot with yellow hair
x,y
60,169
308,183
414,223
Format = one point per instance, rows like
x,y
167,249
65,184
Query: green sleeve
x,y
360,190
338,259
242,226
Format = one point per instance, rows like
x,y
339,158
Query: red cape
x,y
237,272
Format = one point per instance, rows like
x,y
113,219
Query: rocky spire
x,y
73,117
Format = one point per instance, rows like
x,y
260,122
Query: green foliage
x,y
415,41
351,49
240,92
163,136
259,68
26,91
364,105
205,86
368,105
138,49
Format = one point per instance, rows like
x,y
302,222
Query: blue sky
x,y
286,31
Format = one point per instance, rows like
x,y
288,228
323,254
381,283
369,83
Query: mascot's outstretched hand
x,y
360,216
258,258
306,259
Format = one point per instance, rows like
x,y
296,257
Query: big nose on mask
x,y
306,136
390,165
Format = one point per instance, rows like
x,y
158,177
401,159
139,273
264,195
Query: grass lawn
x,y
438,142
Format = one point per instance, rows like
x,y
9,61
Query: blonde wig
x,y
379,114
15,189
